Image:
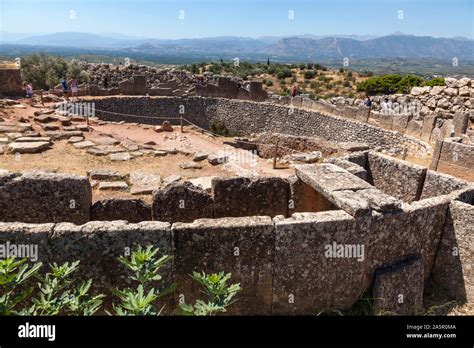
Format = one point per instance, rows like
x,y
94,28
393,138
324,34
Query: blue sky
x,y
204,18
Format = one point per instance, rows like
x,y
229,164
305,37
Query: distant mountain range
x,y
301,47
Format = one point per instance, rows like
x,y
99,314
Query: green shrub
x,y
57,294
144,268
386,84
269,83
219,294
437,81
283,73
389,84
45,71
13,283
309,74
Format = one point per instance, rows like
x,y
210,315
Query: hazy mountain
x,y
391,46
302,47
71,39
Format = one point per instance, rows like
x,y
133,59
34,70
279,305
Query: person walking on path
x,y
29,92
74,87
65,87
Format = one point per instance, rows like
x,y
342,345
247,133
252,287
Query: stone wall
x,y
292,265
10,82
453,157
44,197
247,117
427,113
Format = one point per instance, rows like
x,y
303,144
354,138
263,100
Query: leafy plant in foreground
x,y
58,296
219,294
13,274
144,267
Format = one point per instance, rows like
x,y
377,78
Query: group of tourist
x,y
69,85
66,86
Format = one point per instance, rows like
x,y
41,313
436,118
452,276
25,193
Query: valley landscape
x,y
222,166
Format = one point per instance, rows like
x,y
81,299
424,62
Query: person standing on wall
x,y
367,101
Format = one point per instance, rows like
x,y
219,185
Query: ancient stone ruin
x,y
321,239
339,228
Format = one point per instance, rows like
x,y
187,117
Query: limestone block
x,y
131,210
41,197
398,288
395,177
262,196
181,202
453,274
242,246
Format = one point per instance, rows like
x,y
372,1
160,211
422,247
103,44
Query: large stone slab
x,y
131,210
29,147
182,202
437,184
242,246
144,183
98,244
309,274
327,178
453,274
398,288
406,232
395,177
45,197
429,123
262,196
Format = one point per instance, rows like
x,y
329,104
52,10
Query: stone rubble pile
x,y
442,101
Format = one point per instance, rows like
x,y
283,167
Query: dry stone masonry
x,y
293,253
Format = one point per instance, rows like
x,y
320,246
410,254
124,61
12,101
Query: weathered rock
x,y
181,202
144,183
113,185
159,153
453,273
217,159
204,182
40,197
262,196
131,210
190,165
398,178
352,146
106,141
200,156
205,244
303,265
171,179
398,288
29,147
106,175
83,144
73,140
120,156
